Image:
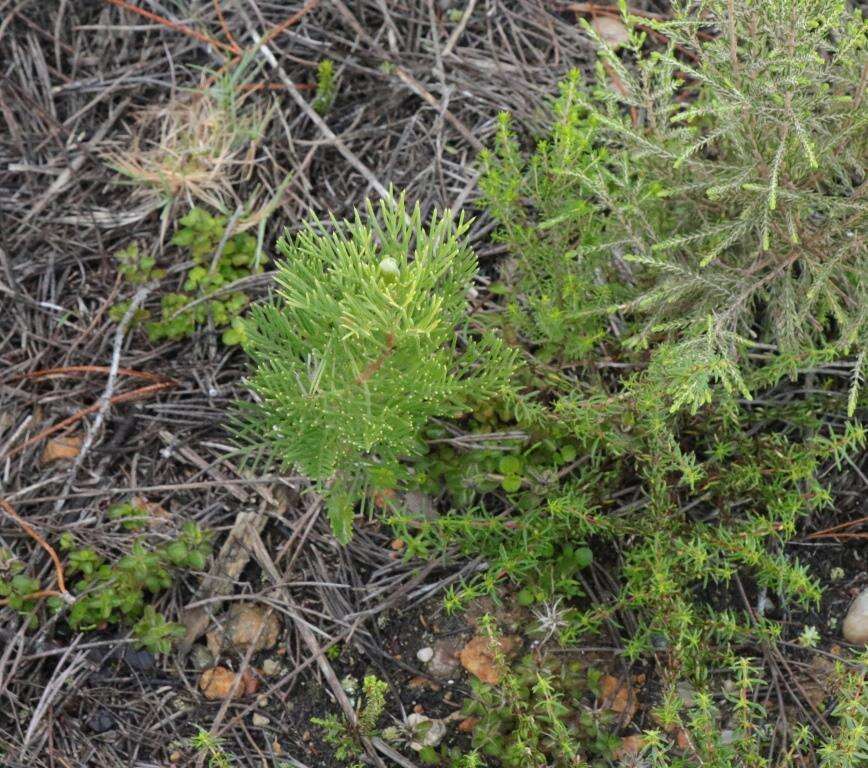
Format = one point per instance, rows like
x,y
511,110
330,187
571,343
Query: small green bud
x,y
389,269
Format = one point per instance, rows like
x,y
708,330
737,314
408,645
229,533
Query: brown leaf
x,y
61,448
618,696
478,656
630,746
468,724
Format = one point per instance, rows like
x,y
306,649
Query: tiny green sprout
x,y
211,748
131,517
326,87
810,637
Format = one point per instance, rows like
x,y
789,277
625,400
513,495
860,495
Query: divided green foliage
x,y
554,282
183,312
360,348
115,592
203,296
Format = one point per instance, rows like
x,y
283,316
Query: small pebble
x,y
101,721
856,621
270,667
260,721
201,657
425,654
426,732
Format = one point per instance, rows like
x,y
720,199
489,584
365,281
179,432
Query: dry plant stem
x,y
106,399
733,43
608,10
124,397
68,370
177,26
309,639
317,120
75,166
58,566
408,79
52,689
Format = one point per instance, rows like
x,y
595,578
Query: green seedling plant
x,y
218,262
359,350
115,592
346,739
326,87
210,748
206,294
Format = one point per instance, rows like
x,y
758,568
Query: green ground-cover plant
x,y
326,86
114,591
685,288
346,738
218,261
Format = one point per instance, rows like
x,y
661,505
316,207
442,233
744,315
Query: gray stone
x,y
856,621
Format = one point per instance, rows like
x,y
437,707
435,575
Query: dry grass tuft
x,y
198,148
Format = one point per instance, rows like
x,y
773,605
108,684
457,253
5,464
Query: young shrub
x,y
359,350
558,284
734,186
704,207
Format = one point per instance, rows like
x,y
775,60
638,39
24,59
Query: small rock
x,y
444,663
250,624
856,621
218,683
61,448
201,657
262,702
139,660
425,654
270,667
478,656
426,732
101,721
611,29
260,721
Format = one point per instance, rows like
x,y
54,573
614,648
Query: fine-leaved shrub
x,y
361,348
